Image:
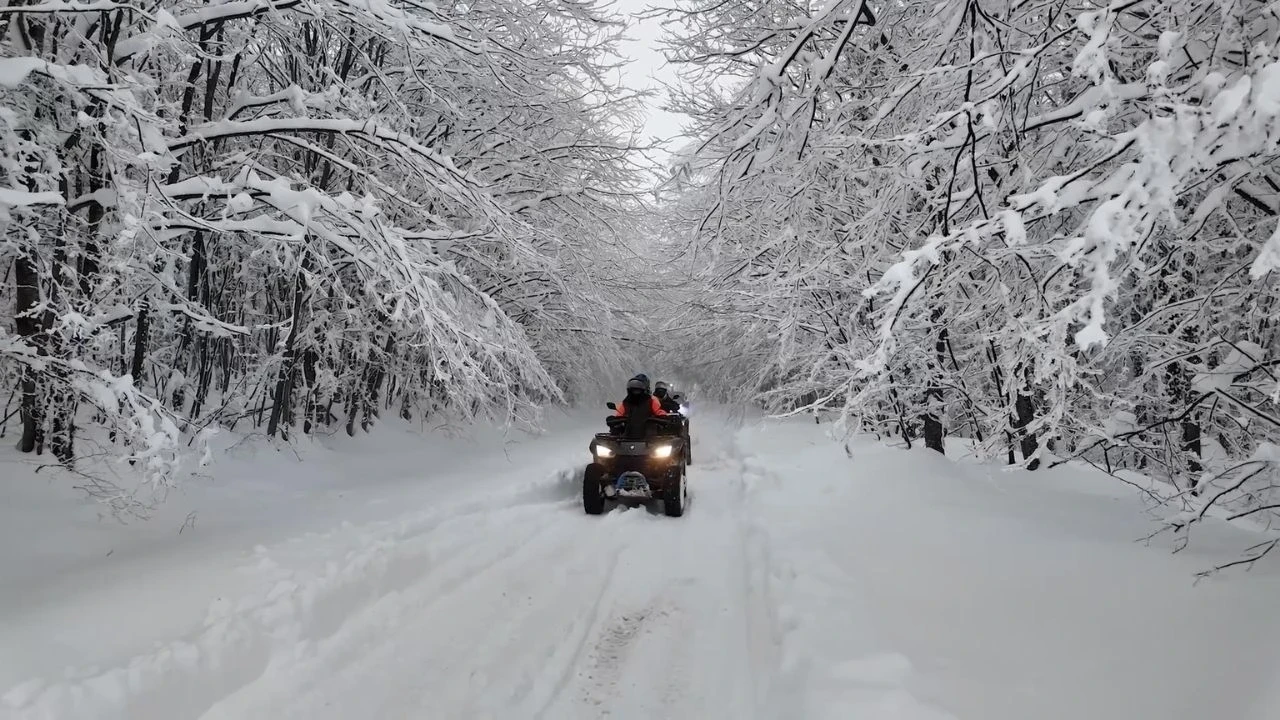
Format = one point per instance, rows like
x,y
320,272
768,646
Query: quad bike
x,y
636,472
684,429
675,423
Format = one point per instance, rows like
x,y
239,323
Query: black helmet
x,y
638,384
660,389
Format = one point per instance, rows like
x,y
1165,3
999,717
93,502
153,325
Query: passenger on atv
x,y
645,418
636,410
641,459
668,401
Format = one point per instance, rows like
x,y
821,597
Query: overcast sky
x,y
648,68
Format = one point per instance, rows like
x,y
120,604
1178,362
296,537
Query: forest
x,y
1048,227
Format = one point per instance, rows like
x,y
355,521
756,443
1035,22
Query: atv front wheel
x,y
592,496
677,495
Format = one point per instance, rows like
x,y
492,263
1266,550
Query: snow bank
x,y
348,573
998,593
834,661
161,619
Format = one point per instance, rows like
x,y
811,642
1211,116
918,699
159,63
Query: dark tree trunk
x,y
198,348
1024,414
1191,444
27,294
280,414
1179,381
353,401
997,380
934,433
140,342
63,426
311,414
376,378
903,428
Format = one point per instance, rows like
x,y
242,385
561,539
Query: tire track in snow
x,y
609,654
501,643
310,585
672,635
578,647
760,619
536,635
543,612
360,632
644,664
629,615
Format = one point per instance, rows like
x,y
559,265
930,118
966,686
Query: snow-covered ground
x,y
393,576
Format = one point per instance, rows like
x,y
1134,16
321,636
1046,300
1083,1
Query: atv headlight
x,y
604,451
662,451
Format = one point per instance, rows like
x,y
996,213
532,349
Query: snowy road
x,y
537,610
505,600
802,583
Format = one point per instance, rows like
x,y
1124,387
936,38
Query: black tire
x,y
676,496
592,496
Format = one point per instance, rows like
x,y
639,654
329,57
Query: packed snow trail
x,y
538,610
804,582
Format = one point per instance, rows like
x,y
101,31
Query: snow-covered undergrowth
x,y
395,576
999,594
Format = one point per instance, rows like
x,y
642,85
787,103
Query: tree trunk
x,y
140,342
311,414
186,338
903,429
934,433
288,369
377,376
63,426
353,401
27,294
1179,381
1024,413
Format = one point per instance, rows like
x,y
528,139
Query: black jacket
x,y
638,414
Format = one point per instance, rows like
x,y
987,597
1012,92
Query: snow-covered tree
x,y
1039,225
299,214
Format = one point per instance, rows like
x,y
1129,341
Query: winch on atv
x,y
636,465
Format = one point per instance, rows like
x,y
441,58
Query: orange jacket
x,y
655,408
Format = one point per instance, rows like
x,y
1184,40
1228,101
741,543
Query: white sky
x,y
649,69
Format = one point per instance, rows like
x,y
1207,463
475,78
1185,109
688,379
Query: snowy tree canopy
x,y
1050,228
291,214
1021,223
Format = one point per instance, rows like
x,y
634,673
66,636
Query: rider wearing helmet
x,y
639,399
663,393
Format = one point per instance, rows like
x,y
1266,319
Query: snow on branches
x,y
303,213
1007,221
